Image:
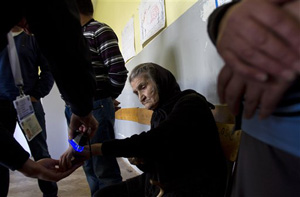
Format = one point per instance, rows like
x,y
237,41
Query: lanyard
x,y
14,62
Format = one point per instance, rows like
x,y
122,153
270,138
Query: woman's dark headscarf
x,y
165,81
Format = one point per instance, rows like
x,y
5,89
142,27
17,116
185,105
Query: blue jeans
x,y
38,145
101,171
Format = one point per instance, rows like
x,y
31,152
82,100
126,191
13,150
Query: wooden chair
x,y
229,138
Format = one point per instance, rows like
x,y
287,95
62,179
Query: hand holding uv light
x,y
79,141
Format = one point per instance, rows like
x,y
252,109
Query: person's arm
x,y
87,124
71,157
155,143
45,81
46,169
95,148
14,157
66,50
59,35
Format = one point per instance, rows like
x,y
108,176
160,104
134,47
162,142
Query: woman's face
x,y
146,90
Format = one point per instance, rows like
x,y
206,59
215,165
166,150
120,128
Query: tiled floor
x,y
74,185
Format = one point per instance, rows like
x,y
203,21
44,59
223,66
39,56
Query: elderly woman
x,y
181,153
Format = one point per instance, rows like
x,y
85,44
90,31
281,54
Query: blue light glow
x,y
75,146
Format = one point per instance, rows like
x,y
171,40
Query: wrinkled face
x,y
146,90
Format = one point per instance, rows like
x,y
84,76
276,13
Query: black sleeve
x,y
58,32
214,21
12,155
180,128
45,81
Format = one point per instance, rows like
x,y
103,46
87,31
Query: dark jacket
x,y
58,32
37,83
215,18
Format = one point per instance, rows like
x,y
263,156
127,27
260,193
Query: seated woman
x,y
181,154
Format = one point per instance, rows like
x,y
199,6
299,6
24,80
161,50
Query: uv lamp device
x,y
79,141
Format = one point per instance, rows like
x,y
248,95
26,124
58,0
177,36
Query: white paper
x,y
23,107
31,126
208,8
128,49
152,18
221,2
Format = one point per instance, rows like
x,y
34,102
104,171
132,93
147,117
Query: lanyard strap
x,y
14,62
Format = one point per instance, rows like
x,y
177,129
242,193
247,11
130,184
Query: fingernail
x,y
288,75
296,65
262,77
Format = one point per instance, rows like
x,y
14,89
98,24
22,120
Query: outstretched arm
x,y
71,157
46,169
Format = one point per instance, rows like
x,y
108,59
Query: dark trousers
x,y
38,146
265,171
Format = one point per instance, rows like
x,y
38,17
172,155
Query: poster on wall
x,y
207,9
152,18
128,49
209,6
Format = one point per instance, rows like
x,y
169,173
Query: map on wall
x,y
152,18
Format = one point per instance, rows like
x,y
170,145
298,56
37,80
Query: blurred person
x,y
65,54
260,44
38,82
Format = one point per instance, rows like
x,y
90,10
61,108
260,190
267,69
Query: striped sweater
x,y
107,60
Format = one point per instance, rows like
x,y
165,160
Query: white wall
x,y
56,124
21,138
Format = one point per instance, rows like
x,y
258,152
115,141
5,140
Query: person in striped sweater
x,y
111,75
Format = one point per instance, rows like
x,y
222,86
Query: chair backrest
x,y
229,138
